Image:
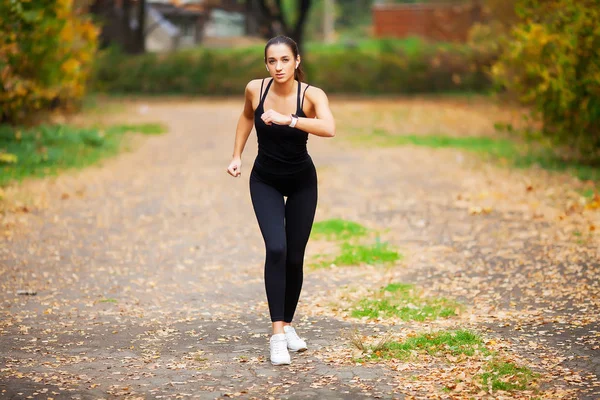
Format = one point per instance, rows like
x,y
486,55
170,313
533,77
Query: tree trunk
x,y
126,26
277,22
139,34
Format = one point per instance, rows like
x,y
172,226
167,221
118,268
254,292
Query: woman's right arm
x,y
244,127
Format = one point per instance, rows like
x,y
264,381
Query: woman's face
x,y
281,62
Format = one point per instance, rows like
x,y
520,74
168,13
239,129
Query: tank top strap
x,y
261,88
263,96
298,107
303,96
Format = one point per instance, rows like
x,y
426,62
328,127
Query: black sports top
x,y
280,146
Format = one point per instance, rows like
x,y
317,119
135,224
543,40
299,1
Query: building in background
x,y
176,24
436,21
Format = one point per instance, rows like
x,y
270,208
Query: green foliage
x,y
384,66
552,63
46,51
47,149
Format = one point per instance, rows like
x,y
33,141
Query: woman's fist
x,y
273,117
235,167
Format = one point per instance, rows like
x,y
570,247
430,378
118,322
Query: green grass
x,y
378,253
48,149
405,302
497,374
520,156
108,300
454,342
501,375
589,193
337,229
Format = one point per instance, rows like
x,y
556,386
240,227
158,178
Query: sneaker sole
x,y
281,363
302,350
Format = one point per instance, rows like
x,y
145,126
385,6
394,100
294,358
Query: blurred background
x,y
55,55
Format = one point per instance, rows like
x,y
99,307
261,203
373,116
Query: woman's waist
x,y
274,166
266,157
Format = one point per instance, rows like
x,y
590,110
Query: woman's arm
x,y
242,132
323,125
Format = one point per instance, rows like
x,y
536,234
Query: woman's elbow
x,y
331,130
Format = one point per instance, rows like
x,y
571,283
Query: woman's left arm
x,y
323,124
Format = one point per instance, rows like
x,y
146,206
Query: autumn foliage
x,y
552,62
46,51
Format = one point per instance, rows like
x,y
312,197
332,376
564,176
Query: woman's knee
x,y
276,251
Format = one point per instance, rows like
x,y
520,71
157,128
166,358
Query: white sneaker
x,y
279,352
294,343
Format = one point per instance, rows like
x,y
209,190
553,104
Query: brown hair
x,y
299,73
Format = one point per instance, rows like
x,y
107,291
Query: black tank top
x,y
279,146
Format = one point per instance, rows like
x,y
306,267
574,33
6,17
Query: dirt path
x,y
148,270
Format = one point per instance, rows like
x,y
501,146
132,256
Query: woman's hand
x,y
273,117
235,167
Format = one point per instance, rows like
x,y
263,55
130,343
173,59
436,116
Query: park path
x,y
148,269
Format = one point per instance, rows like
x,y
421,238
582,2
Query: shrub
x,y
552,63
377,69
46,51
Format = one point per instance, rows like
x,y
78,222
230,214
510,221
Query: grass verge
x,y
508,151
48,149
407,303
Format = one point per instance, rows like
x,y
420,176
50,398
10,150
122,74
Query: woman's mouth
x,y
279,75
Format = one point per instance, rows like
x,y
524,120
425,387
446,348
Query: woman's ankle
x,y
278,327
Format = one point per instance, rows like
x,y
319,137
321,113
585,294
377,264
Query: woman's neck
x,y
284,89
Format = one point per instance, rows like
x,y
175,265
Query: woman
x,y
284,111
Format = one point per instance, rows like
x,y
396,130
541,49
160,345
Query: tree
x,y
552,62
122,23
276,22
46,53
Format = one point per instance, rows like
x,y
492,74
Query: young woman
x,y
284,112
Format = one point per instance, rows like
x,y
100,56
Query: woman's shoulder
x,y
313,93
257,83
253,87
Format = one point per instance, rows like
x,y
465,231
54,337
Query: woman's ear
x,y
267,67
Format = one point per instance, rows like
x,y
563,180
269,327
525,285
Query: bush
x,y
552,62
376,69
46,52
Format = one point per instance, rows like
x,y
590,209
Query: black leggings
x,y
285,227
